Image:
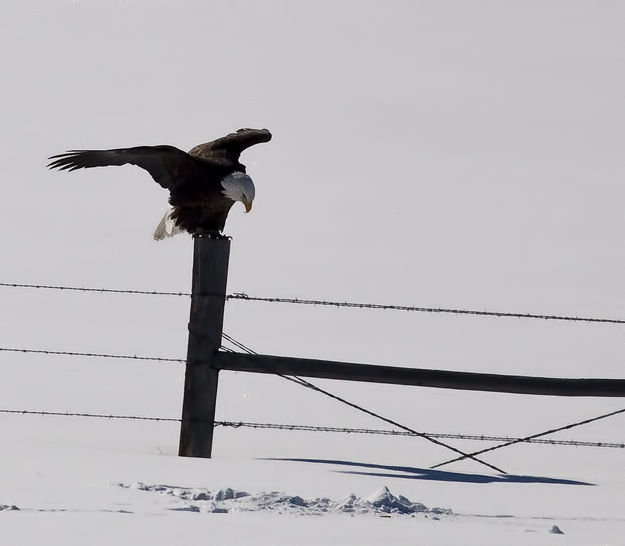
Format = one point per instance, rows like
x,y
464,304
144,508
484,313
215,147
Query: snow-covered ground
x,y
79,481
440,154
92,489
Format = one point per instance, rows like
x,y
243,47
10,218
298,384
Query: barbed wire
x,y
90,415
445,435
242,296
329,303
318,428
91,355
102,355
101,290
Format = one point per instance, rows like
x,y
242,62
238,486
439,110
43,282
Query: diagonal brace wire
x,y
307,384
533,436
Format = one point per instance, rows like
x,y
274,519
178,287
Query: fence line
x,y
317,428
309,385
428,437
329,303
298,380
409,431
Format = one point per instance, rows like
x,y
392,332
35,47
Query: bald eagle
x,y
203,184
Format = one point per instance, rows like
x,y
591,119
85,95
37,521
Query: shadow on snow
x,y
412,473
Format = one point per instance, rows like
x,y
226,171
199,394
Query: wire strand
x,y
411,308
91,415
316,428
329,303
101,290
91,355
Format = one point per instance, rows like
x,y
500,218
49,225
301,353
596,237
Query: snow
x,y
75,483
459,155
228,500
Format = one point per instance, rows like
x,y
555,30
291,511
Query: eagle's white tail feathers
x,y
166,227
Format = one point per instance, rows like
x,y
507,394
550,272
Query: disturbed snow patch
x,y
230,500
8,507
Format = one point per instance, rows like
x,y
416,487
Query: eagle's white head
x,y
239,187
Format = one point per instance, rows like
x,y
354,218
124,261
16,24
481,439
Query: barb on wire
x,y
383,432
298,301
328,303
533,436
94,355
313,428
101,290
307,384
90,415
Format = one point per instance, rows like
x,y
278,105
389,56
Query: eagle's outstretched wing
x,y
168,165
225,151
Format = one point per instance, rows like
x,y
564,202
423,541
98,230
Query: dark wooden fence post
x,y
208,296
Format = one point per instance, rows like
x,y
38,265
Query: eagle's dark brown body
x,y
194,179
202,207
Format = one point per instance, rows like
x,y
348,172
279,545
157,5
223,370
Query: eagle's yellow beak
x,y
248,205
